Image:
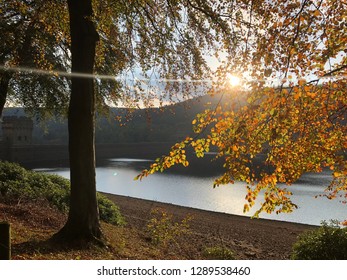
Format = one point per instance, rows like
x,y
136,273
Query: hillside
x,y
167,124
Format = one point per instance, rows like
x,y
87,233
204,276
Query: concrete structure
x,y
16,133
17,130
17,146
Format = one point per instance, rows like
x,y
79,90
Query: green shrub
x,y
12,177
11,171
328,242
60,194
109,212
218,253
18,183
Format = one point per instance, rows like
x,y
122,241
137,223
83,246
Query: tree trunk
x,y
83,220
4,83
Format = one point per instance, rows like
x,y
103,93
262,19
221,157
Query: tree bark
x,y
83,219
4,84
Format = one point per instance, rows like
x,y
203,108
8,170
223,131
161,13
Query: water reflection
x,y
117,176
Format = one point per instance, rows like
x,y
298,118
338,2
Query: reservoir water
x,y
116,176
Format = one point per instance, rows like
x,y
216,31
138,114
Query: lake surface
x,y
116,176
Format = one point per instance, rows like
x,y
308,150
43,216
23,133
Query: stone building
x,y
17,130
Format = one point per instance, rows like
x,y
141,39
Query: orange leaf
x,y
317,13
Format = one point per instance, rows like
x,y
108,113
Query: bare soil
x,y
34,222
248,238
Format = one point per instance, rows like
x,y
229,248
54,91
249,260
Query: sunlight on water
x,y
129,160
117,177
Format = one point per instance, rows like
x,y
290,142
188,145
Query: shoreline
x,y
249,238
123,199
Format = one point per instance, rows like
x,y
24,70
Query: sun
x,y
233,80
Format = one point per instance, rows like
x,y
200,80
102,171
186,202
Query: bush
x,y
163,230
218,253
20,184
59,195
108,211
11,178
328,242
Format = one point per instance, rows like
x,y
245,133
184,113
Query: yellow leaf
x,y
312,94
292,51
297,95
302,82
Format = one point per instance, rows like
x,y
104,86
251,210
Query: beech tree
x,y
30,38
298,122
167,36
35,58
289,114
83,218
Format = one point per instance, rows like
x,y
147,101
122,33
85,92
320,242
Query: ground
x,y
32,223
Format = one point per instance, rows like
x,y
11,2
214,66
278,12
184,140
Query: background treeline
x,y
120,125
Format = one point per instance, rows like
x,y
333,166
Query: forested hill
x,y
170,123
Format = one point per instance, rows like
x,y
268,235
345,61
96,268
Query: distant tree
x,y
290,114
